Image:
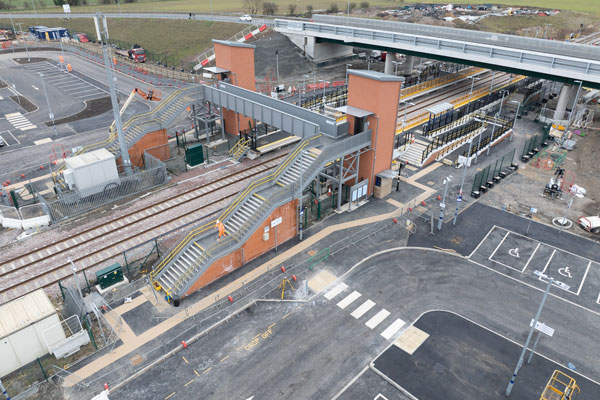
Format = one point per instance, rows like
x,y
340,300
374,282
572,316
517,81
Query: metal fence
x,y
492,171
74,202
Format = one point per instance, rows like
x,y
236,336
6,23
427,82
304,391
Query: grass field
x,y
590,6
174,40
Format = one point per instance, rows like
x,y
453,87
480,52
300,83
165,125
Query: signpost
x,y
532,211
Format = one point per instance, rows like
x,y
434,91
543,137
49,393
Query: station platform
x,y
274,141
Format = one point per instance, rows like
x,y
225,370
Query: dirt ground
x,y
524,189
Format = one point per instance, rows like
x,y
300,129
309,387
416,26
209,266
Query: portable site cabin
x,y
24,330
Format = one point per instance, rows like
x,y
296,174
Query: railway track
x,y
500,79
46,265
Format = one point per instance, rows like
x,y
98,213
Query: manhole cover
x,y
457,239
136,360
431,183
311,252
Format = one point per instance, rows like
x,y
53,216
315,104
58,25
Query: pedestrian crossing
x,y
363,309
19,121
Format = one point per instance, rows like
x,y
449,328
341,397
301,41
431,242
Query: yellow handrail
x,y
228,210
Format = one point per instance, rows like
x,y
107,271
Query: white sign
x,y
442,205
545,329
533,210
276,222
66,8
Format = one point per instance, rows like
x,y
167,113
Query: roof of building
x,y
378,76
234,44
354,111
24,311
91,157
215,70
440,108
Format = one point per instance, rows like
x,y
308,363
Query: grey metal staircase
x,y
178,270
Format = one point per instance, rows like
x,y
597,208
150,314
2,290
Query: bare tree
x,y
309,11
292,8
269,8
353,6
253,6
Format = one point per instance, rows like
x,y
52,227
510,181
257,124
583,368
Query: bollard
x,y
395,220
22,175
423,203
282,268
230,299
439,198
184,344
294,278
409,209
69,68
106,387
8,182
41,167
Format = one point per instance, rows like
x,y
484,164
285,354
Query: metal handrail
x,y
239,199
279,197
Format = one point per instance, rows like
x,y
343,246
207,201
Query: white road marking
x,y
377,318
34,87
19,121
335,291
362,309
584,277
348,300
499,244
5,142
392,329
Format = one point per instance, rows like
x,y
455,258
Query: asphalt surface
x,y
314,349
465,361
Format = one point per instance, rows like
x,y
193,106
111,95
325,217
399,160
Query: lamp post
x,y
324,84
303,87
573,107
462,181
347,65
50,114
443,203
473,79
516,116
277,65
551,282
406,104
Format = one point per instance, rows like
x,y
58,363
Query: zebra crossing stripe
x,y
335,291
348,300
362,309
392,329
377,318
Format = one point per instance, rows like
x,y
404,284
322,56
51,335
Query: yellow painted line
x,y
184,359
285,316
280,184
171,395
206,371
189,382
289,138
196,372
260,197
272,325
224,358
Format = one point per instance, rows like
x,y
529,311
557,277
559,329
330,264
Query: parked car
x,y
590,224
2,142
246,18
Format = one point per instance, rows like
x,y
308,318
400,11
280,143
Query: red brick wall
x,y
254,247
149,141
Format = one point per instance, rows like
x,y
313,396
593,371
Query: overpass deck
x,y
565,62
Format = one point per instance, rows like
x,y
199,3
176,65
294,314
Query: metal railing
x,y
423,86
272,200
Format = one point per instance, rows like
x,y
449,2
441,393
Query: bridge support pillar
x,y
389,64
563,99
407,67
238,60
379,94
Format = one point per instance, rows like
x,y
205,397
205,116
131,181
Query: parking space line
x,y
392,329
362,309
584,277
499,244
348,300
598,301
171,395
548,262
335,291
5,142
532,255
377,318
189,382
483,240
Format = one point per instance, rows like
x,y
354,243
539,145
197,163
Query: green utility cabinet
x,y
194,155
109,276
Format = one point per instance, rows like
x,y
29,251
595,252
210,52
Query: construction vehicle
x,y
152,94
560,387
135,53
81,37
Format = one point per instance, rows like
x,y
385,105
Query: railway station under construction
x,y
288,161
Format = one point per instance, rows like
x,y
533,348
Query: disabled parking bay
x,y
515,251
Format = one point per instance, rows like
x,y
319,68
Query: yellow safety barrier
x,y
560,387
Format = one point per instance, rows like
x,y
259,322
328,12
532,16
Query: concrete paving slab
x,y
411,339
320,281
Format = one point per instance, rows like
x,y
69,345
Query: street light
x,y
443,203
303,87
324,82
573,108
516,116
551,282
277,63
51,115
462,181
473,79
347,65
406,104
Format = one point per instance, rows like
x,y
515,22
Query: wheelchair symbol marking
x,y
565,272
514,252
